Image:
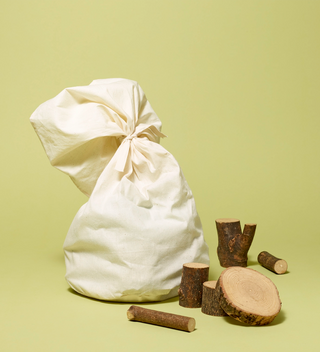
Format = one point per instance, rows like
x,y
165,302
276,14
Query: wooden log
x,y
155,317
277,265
234,245
248,296
190,291
211,300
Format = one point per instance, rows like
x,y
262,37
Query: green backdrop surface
x,y
236,85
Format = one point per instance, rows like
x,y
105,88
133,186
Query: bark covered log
x,y
248,296
277,265
155,317
211,300
234,245
192,279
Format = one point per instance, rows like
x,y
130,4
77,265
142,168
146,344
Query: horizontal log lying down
x,y
277,265
155,317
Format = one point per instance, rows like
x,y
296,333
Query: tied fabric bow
x,y
151,132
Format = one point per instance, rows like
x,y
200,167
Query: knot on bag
x,y
130,137
151,132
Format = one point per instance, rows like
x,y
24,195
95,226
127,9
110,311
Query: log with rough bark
x,y
248,296
155,317
210,300
277,265
234,245
190,291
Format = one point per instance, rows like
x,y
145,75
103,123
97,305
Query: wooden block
x,y
210,300
190,291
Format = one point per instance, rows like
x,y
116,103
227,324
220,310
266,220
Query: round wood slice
x,y
248,296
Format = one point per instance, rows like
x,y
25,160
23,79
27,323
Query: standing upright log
x,y
211,300
248,296
234,245
190,291
277,265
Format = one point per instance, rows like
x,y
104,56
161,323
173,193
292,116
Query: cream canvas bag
x,y
140,225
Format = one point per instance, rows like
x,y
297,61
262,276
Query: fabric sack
x,y
140,225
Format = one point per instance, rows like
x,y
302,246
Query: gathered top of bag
x,y
87,126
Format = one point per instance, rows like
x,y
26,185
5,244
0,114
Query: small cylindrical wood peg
x,y
156,317
192,279
211,300
277,265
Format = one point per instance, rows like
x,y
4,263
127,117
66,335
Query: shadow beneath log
x,y
252,262
161,326
286,273
280,318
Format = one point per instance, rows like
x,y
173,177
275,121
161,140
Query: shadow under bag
x,y
140,225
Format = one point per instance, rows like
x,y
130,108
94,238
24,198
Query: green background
x,y
236,85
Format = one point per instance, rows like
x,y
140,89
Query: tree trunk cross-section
x,y
248,296
190,291
234,245
277,265
155,317
210,300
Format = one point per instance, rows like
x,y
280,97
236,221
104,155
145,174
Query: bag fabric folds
x,y
140,225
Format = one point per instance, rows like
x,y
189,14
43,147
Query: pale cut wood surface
x,y
281,266
210,284
196,265
248,296
227,220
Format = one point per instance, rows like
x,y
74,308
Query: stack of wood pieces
x,y
243,294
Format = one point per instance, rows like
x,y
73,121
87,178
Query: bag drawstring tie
x,y
124,148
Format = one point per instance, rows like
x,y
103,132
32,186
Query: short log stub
x,y
211,300
277,265
155,317
192,279
234,245
248,296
